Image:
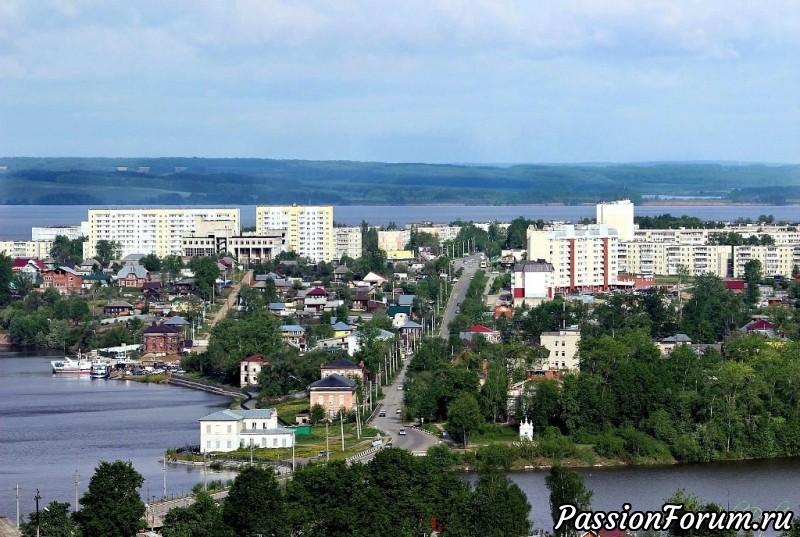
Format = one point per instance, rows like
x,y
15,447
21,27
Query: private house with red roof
x,y
761,327
162,339
64,279
479,330
28,265
315,300
735,286
250,367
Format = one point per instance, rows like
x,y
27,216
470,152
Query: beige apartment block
x,y
37,249
563,347
309,229
152,231
348,242
394,240
584,258
775,260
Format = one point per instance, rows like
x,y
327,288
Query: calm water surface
x,y
16,220
51,426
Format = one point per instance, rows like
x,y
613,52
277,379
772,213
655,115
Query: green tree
x,y
463,417
517,233
171,265
108,250
752,276
201,519
206,272
499,507
111,506
566,488
54,521
151,262
6,279
255,504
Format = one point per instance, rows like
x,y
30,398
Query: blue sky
x,y
408,81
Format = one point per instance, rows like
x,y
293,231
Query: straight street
x,y
470,266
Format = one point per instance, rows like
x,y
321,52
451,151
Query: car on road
x,y
401,432
454,280
382,414
399,387
495,272
398,411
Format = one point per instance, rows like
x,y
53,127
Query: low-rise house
x,y
250,367
334,393
279,309
294,335
162,339
315,300
341,273
480,331
228,430
668,344
183,286
360,300
761,327
410,335
117,308
132,259
89,280
89,266
133,276
64,279
735,286
153,291
344,368
341,329
399,315
353,340
28,265
374,279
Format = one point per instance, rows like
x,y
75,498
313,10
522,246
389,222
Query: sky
x,y
403,81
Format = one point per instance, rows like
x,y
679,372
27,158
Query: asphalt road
x,y
414,441
470,265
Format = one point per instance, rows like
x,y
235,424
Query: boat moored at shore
x,y
69,366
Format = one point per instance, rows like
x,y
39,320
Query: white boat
x,y
68,366
99,370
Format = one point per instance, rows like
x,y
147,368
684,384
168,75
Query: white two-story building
x,y
229,430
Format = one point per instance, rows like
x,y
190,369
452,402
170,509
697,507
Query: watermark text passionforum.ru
x,y
671,515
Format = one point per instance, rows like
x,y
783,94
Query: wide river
x,y
16,220
51,426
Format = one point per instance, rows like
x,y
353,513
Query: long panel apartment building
x,y
309,229
152,231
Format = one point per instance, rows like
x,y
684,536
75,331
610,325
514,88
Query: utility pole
x,y
17,505
327,441
75,481
37,498
341,423
165,476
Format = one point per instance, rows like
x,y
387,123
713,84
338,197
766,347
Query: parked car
x,y
399,387
401,431
382,414
398,411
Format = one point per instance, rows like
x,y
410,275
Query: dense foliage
x,y
249,181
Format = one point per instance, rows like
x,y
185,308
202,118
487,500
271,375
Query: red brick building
x,y
162,338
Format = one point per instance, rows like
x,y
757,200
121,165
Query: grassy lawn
x,y
288,410
492,434
665,279
311,445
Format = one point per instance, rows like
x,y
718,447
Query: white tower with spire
x,y
526,430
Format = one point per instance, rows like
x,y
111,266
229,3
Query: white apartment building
x,y
49,233
151,231
563,347
309,229
37,249
347,242
617,215
393,240
583,257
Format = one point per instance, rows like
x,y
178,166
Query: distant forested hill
x,y
133,181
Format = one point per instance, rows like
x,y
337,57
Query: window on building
x,y
229,430
274,442
208,428
229,444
